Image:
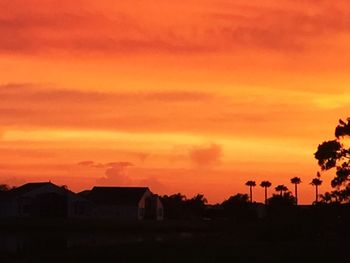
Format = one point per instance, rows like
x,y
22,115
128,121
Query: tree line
x,y
241,206
282,189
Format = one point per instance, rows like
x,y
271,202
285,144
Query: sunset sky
x,y
194,96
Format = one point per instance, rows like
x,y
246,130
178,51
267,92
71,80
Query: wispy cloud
x,y
121,29
194,112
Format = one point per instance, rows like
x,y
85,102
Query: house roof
x,y
115,195
26,188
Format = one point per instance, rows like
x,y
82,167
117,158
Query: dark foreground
x,y
173,241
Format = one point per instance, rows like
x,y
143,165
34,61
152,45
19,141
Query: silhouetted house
x,y
125,203
45,200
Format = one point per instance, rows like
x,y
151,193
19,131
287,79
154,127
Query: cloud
x,y
91,164
274,27
135,27
29,106
115,172
206,156
119,165
143,156
118,174
86,163
332,101
37,106
113,165
76,30
115,176
18,92
154,184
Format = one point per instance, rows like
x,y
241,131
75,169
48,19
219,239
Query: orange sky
x,y
194,96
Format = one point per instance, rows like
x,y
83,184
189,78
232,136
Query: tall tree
x,y
335,154
316,182
251,184
265,185
281,188
295,181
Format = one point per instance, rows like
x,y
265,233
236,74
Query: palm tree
x,y
296,181
316,182
251,184
281,188
265,184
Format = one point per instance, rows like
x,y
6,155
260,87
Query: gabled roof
x,y
26,188
115,195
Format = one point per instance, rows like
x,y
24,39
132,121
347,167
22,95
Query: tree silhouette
x,y
281,188
177,206
335,196
296,181
335,154
237,199
316,182
174,205
251,184
281,205
196,205
265,185
238,207
326,198
284,200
